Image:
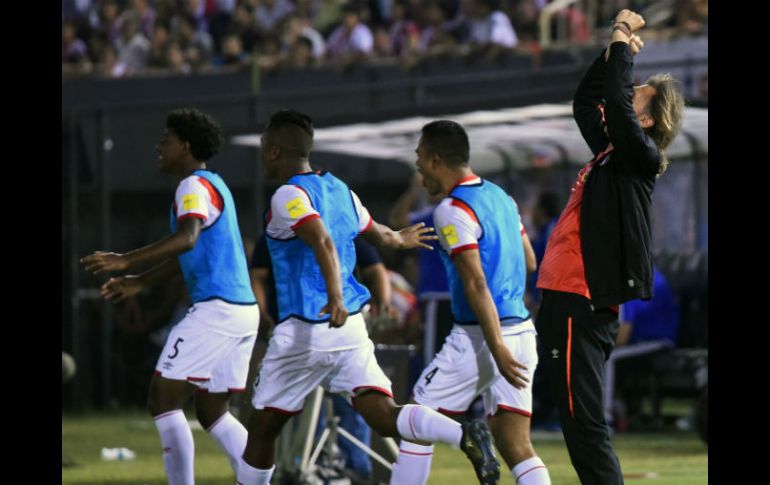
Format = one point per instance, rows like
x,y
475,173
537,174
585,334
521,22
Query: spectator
x,y
133,47
352,39
244,25
491,31
159,44
232,53
270,13
404,33
73,50
197,45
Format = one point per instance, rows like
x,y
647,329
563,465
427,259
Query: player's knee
x,y
521,451
159,403
385,429
206,418
387,426
155,405
208,411
380,413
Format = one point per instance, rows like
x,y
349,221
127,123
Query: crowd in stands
x,y
120,38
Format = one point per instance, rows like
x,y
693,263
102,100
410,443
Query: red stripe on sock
x,y
533,468
167,413
413,453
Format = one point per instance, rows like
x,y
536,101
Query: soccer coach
x,y
599,254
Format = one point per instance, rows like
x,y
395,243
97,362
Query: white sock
x,y
420,423
248,475
231,436
531,471
413,464
178,447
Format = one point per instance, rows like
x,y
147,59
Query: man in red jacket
x,y
599,255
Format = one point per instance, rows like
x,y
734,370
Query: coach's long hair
x,y
666,108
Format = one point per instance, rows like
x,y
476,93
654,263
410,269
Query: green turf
x,y
675,458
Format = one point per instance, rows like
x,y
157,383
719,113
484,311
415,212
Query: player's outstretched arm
x,y
181,241
414,236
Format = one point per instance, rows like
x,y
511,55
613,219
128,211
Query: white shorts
x,y
465,369
213,361
289,373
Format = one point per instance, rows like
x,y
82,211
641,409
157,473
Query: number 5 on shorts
x,y
176,349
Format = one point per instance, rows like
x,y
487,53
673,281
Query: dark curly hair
x,y
198,129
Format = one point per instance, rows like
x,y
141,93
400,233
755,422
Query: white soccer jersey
x,y
196,197
457,226
290,207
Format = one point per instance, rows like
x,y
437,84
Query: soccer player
x,y
209,350
492,349
321,337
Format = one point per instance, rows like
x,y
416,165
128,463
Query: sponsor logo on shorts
x,y
168,365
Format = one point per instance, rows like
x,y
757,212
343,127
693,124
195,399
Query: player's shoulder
x,y
288,190
445,209
444,206
191,179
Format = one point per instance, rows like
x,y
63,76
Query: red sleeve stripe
x,y
191,215
462,205
368,226
305,219
464,248
216,199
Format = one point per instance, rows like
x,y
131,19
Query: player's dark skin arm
x,y
314,234
407,238
183,240
119,288
468,264
259,278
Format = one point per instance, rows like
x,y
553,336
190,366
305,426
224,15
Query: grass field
x,y
672,458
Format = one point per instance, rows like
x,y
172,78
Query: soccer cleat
x,y
476,443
